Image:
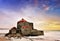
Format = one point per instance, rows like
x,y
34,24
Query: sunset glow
x,y
44,16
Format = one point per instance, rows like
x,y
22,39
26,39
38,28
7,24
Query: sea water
x,y
48,35
52,34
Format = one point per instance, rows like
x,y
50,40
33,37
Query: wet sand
x,y
48,36
27,39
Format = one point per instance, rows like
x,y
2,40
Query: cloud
x,y
2,15
32,14
45,7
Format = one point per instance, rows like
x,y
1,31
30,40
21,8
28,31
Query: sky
x,y
45,14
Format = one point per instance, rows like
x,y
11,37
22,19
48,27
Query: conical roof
x,y
22,20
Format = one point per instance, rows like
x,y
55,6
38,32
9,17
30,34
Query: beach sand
x,y
4,39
